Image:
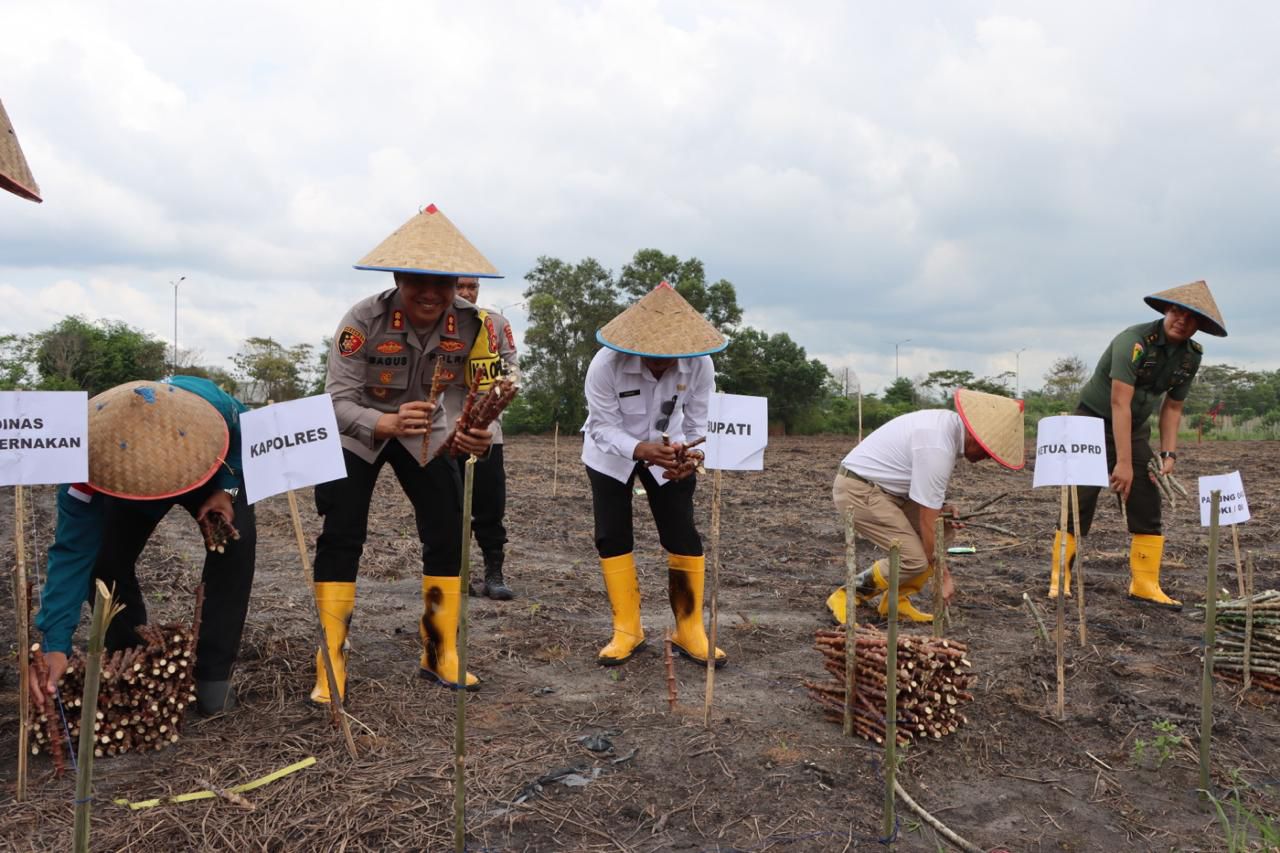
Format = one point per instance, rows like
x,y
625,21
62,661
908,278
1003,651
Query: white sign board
x,y
1233,508
1070,451
737,432
44,437
290,445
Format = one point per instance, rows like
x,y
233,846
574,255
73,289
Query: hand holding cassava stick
x,y
478,411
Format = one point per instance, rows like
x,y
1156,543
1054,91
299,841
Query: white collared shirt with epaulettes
x,y
624,404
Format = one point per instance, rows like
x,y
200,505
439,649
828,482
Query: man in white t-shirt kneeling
x,y
895,483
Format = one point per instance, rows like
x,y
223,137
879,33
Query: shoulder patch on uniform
x,y
389,347
451,324
1137,353
1195,346
511,339
397,320
350,341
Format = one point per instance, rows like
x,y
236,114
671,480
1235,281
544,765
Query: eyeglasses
x,y
667,407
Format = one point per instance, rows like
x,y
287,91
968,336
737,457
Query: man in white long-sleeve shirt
x,y
647,393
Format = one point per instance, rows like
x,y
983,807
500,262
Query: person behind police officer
x,y
1146,365
895,484
153,445
380,374
489,496
647,393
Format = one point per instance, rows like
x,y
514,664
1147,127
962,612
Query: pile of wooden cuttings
x,y
934,676
142,694
1252,624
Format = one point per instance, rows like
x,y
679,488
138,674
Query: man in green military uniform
x,y
1145,365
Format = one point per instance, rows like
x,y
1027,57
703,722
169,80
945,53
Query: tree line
x,y
567,303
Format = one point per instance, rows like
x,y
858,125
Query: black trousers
x,y
1143,506
435,492
488,500
227,577
671,505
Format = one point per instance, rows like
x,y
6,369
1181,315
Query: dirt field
x,y
769,773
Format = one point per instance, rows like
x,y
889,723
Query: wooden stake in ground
x,y
1079,562
1248,614
335,696
1062,608
850,617
1235,546
891,690
939,572
104,609
20,609
555,460
1210,623
460,729
716,486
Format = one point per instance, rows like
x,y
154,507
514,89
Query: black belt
x,y
845,472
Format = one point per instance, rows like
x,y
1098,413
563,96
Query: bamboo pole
x,y
555,460
850,617
1235,545
1210,618
1248,614
460,729
24,641
1039,620
939,570
1079,562
1061,629
716,486
891,691
103,610
335,695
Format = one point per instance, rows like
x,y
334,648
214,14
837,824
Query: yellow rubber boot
x,y
1071,561
685,576
623,588
1144,571
905,608
336,602
439,632
871,583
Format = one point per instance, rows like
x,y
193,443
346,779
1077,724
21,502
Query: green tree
x,y
15,362
266,370
717,302
900,392
567,304
77,354
773,366
1065,379
217,375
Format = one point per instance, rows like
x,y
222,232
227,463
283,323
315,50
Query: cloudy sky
x,y
978,178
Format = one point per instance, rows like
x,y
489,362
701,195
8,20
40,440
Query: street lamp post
x,y
896,374
1016,375
175,284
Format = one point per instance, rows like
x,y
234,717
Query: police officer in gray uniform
x,y
489,496
386,352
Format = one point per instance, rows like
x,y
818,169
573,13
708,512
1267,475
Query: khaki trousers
x,y
882,518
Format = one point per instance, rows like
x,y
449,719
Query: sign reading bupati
x,y
1233,507
290,445
44,437
1070,451
737,432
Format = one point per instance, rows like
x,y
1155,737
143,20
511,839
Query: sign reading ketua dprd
x,y
737,432
1070,451
290,445
44,437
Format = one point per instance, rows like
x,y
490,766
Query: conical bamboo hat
x,y
996,423
15,174
428,243
150,440
662,324
1196,298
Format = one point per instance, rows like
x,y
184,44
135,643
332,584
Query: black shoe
x,y
215,697
494,586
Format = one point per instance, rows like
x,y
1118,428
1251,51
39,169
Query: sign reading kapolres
x,y
1233,507
737,432
290,445
44,437
1070,451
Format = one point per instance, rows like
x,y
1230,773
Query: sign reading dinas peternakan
x,y
290,445
43,437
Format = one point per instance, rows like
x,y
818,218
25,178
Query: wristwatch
x,y
1168,454
232,493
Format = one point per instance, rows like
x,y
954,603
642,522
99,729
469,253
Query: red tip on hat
x,y
431,208
665,284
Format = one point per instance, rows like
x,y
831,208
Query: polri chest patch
x,y
350,341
